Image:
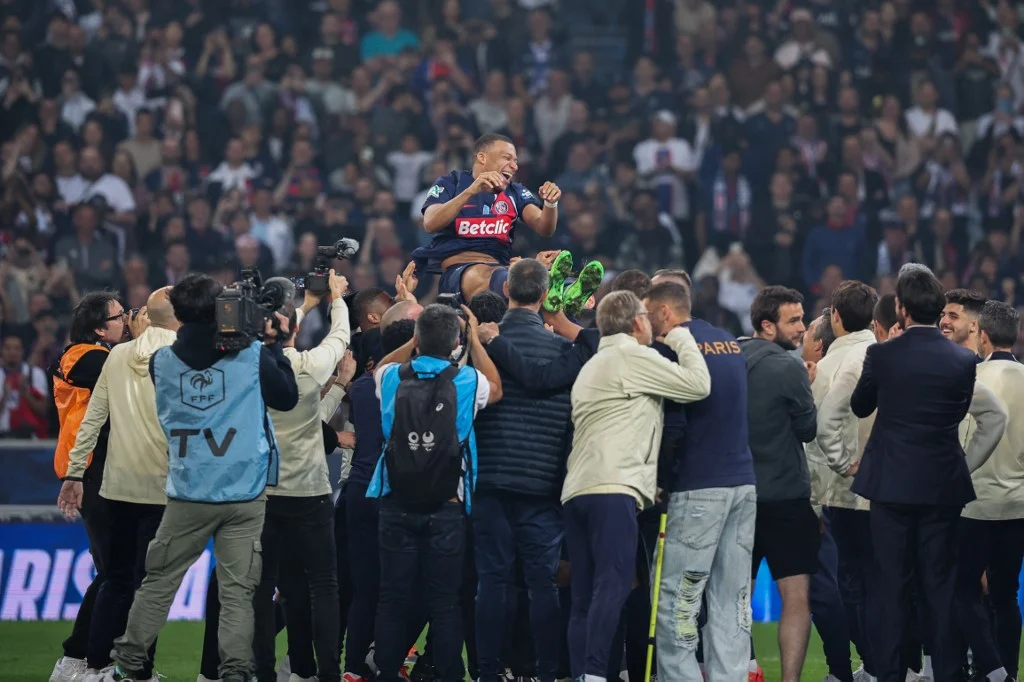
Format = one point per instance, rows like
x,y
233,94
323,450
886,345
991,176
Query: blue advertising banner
x,y
45,569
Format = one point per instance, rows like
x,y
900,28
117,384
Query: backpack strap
x,y
449,373
406,372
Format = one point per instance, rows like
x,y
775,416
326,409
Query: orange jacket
x,y
71,401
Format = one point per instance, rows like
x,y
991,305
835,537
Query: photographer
x,y
222,455
426,493
299,524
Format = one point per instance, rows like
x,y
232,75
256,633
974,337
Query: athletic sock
x,y
926,669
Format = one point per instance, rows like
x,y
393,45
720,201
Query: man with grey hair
x,y
612,469
426,479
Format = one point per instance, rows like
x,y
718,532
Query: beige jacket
x,y
136,468
841,436
999,482
300,439
617,413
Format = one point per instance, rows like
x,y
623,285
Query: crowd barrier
x,y
45,565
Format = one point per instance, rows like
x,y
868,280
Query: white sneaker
x,y
295,678
917,677
105,675
861,675
68,669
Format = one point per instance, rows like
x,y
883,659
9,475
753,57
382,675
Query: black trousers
x,y
851,530
132,527
424,548
343,565
97,527
299,529
995,547
363,562
909,539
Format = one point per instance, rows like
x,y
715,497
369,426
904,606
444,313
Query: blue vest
x,y
465,389
220,443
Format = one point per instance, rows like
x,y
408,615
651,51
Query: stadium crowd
x,y
708,167
832,140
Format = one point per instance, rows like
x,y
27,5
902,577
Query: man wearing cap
x,y
667,163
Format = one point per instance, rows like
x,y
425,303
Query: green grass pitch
x,y
28,651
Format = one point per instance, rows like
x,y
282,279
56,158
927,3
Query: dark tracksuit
x,y
362,517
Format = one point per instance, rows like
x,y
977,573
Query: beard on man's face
x,y
786,343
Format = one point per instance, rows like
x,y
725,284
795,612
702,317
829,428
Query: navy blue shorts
x,y
451,279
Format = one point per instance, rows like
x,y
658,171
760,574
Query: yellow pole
x,y
654,597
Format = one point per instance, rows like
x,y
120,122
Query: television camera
x,y
244,307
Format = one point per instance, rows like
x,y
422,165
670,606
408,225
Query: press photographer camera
x,y
316,281
244,307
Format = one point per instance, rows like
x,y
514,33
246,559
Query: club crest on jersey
x,y
435,192
500,207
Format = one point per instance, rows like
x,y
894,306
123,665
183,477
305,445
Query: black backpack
x,y
424,455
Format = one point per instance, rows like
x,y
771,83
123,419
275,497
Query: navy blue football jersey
x,y
486,224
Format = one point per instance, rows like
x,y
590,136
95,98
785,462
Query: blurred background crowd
x,y
751,141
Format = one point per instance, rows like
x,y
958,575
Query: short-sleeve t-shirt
x,y
486,224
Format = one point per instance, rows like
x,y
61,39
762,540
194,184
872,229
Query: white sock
x,y
593,678
753,666
926,669
997,675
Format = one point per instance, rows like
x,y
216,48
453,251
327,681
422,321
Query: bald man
x,y
136,470
403,310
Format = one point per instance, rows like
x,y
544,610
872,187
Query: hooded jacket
x,y
781,417
136,469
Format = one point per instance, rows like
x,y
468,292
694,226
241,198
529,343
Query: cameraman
x,y
222,455
299,525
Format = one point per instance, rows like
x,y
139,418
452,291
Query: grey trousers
x,y
183,534
709,539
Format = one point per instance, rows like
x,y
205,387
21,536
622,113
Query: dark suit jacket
x,y
921,384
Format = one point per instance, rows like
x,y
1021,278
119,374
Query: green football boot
x,y
586,285
560,269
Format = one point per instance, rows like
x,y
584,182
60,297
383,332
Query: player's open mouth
x,y
507,174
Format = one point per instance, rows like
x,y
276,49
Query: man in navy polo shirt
x,y
711,506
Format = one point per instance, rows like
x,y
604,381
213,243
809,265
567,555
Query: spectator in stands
x,y
23,406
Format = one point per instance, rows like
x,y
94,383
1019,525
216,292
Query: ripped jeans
x,y
709,538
